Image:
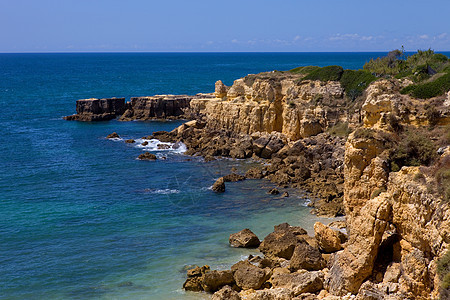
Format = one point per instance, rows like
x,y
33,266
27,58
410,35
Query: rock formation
x,y
98,109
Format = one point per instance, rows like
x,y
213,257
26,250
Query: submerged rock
x,y
233,177
147,156
273,191
244,238
113,135
219,185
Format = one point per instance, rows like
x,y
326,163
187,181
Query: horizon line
x,y
195,52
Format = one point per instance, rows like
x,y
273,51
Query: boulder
x,y
248,276
219,185
195,278
328,239
113,135
214,280
244,238
130,141
147,156
306,257
299,283
226,293
233,177
285,195
279,244
145,143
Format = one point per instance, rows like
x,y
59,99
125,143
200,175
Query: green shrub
x,y
304,70
429,89
443,270
414,149
330,73
364,133
377,192
433,116
340,129
355,82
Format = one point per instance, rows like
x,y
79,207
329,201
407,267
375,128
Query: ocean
x,y
81,218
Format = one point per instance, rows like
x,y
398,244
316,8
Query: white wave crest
x,y
162,191
156,145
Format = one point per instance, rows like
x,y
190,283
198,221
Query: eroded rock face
x,y
244,238
156,107
98,109
268,103
354,264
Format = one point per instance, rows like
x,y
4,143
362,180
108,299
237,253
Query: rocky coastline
x,y
347,152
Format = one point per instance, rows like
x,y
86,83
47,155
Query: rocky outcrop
x,y
272,102
98,109
156,107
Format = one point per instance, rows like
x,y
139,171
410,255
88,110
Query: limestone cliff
x,y
271,102
398,226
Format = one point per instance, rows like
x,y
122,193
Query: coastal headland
x,y
372,144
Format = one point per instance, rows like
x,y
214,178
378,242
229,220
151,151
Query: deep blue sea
x,y
81,218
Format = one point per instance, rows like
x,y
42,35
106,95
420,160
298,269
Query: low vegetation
x,y
429,89
443,270
340,129
355,82
329,73
429,71
413,149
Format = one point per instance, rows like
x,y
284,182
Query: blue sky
x,y
201,25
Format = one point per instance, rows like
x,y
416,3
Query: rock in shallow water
x,y
113,135
219,185
147,156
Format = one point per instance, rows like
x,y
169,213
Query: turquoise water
x,y
81,218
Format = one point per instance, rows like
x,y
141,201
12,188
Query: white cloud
x,y
297,37
423,36
234,41
351,36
